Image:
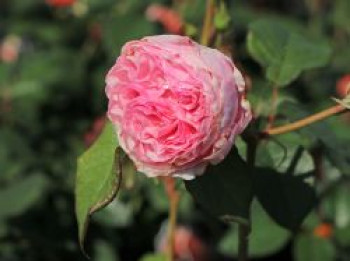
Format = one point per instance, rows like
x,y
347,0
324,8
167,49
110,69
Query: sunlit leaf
x,y
98,177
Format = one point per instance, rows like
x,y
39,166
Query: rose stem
x,y
244,229
207,23
173,196
273,107
306,121
243,236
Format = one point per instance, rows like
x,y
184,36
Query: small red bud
x,y
343,86
170,19
324,230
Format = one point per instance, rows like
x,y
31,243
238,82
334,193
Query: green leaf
x,y
287,198
225,190
154,257
342,235
311,248
19,196
339,205
98,177
337,202
283,189
284,52
264,229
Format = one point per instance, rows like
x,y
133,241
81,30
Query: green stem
x,y
173,196
274,100
207,24
243,235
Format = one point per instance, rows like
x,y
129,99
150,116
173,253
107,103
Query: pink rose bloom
x,y
177,106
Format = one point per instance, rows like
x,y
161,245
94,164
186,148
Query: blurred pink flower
x,y
170,19
10,48
177,105
60,3
187,245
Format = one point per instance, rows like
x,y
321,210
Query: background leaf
x,y
311,248
284,52
19,197
104,252
154,257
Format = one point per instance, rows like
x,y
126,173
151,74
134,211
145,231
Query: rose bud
x,y
187,245
343,86
168,18
324,230
177,106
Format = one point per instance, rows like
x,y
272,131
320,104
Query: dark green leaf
x,y
286,196
225,190
284,52
264,230
288,199
98,177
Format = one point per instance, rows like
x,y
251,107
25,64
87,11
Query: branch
x,y
306,121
